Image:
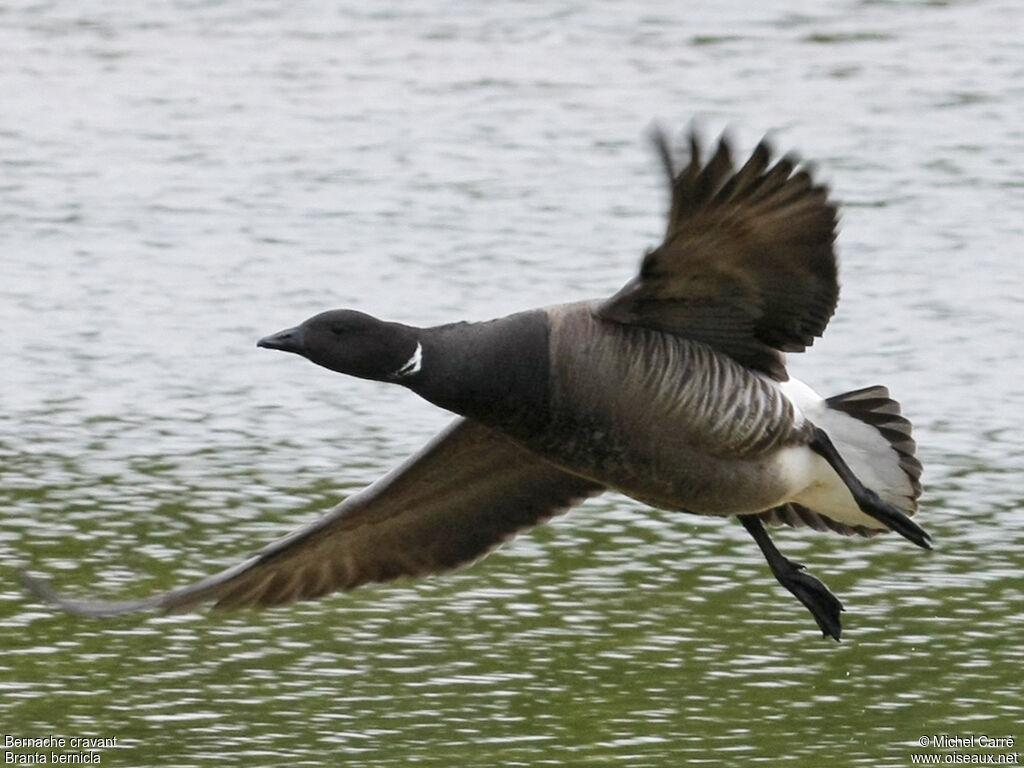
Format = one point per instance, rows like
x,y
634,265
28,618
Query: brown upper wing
x,y
747,264
467,491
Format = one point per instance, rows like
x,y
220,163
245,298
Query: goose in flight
x,y
673,391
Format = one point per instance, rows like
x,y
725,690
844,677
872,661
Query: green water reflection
x,y
618,634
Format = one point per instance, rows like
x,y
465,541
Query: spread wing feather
x,y
747,264
466,492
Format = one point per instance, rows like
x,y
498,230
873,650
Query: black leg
x,y
868,501
815,596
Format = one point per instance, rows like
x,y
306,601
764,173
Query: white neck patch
x,y
412,365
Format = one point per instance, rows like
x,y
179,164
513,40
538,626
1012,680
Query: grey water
x,y
179,179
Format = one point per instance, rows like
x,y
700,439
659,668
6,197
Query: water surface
x,y
179,180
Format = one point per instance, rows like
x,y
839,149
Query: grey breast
x,y
662,418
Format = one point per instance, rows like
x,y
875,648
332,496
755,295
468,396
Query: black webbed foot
x,y
815,596
869,502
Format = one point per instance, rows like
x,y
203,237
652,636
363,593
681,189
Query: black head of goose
x,y
350,342
674,391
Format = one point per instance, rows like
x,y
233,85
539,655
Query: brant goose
x,y
673,391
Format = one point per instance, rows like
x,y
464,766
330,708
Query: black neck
x,y
494,372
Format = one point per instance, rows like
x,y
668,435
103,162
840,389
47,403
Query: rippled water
x,y
179,179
